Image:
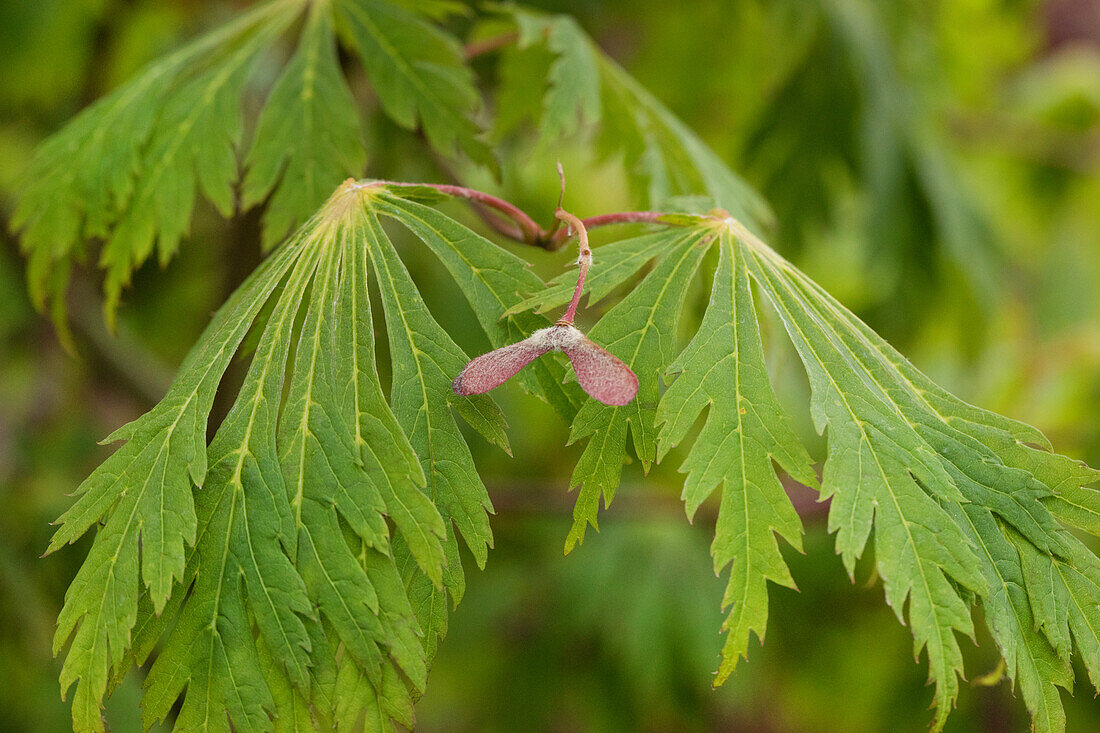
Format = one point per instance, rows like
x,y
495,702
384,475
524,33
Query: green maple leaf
x,y
880,473
573,77
83,181
143,493
419,73
247,536
667,153
723,368
129,170
386,455
584,84
307,138
311,518
192,145
518,102
964,503
425,361
948,484
640,330
1030,660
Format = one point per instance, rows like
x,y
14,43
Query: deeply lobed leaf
x,y
951,486
963,502
419,73
143,493
641,331
307,137
83,180
661,153
129,169
723,369
317,525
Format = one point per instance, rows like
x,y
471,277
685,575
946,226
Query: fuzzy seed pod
x,y
600,373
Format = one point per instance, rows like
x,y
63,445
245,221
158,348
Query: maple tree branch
x,y
498,224
474,49
559,237
520,227
526,229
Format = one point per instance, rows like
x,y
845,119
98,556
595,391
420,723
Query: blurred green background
x,y
935,165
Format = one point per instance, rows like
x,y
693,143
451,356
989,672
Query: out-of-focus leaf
x,y
307,138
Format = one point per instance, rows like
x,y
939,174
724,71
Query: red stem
x,y
584,260
559,237
526,229
529,230
497,223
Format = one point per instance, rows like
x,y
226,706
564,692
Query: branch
x,y
488,45
523,228
497,223
528,231
559,237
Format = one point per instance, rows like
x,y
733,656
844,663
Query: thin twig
x,y
584,260
488,45
558,238
496,223
526,230
584,254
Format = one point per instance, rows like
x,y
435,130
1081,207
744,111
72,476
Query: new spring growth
x,y
599,372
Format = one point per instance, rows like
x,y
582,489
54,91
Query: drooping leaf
x,y
128,156
191,146
572,79
247,537
288,534
1065,602
143,493
657,148
640,330
323,477
419,74
307,138
723,370
948,488
942,482
130,168
880,473
425,361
